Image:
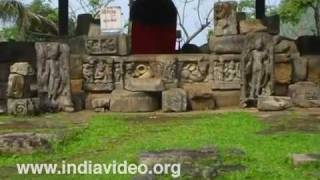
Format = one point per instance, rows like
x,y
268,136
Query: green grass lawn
x,y
123,137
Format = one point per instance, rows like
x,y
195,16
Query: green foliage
x,y
291,10
37,18
248,6
120,137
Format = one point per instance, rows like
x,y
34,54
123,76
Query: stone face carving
x,y
19,80
174,100
53,76
98,74
225,72
257,67
225,18
305,94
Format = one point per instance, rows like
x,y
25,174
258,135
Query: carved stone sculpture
x,y
195,71
257,69
98,74
225,72
20,102
225,18
53,76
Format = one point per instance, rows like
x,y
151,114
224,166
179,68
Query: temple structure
x,y
247,64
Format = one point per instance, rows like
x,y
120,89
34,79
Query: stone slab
x,y
126,101
174,100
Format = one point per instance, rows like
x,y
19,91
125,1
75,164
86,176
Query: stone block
x,y
227,44
174,100
76,62
225,18
285,46
18,86
23,68
76,85
23,107
107,45
229,98
91,99
23,143
305,94
314,68
283,73
126,101
282,58
251,26
200,97
144,85
274,103
300,69
305,159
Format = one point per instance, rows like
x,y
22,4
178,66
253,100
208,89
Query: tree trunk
x,y
317,19
260,9
63,17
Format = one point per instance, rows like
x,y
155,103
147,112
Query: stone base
x,y
274,103
227,98
92,100
200,97
144,85
23,107
305,94
127,101
174,100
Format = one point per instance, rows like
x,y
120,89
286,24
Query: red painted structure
x,y
154,24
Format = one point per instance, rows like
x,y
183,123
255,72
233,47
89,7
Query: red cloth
x,y
153,39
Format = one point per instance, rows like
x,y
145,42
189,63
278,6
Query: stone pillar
x,y
225,18
20,100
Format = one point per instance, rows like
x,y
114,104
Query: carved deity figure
x,y
258,72
53,76
218,71
231,71
103,73
88,71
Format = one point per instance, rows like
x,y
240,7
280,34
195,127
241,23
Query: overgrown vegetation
x,y
120,137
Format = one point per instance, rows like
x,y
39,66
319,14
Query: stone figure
x,y
232,71
53,76
257,70
218,71
195,72
98,74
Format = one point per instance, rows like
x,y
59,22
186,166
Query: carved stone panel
x,y
107,45
193,70
153,74
225,72
53,76
98,74
22,107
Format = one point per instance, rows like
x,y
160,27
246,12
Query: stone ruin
x,y
248,65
